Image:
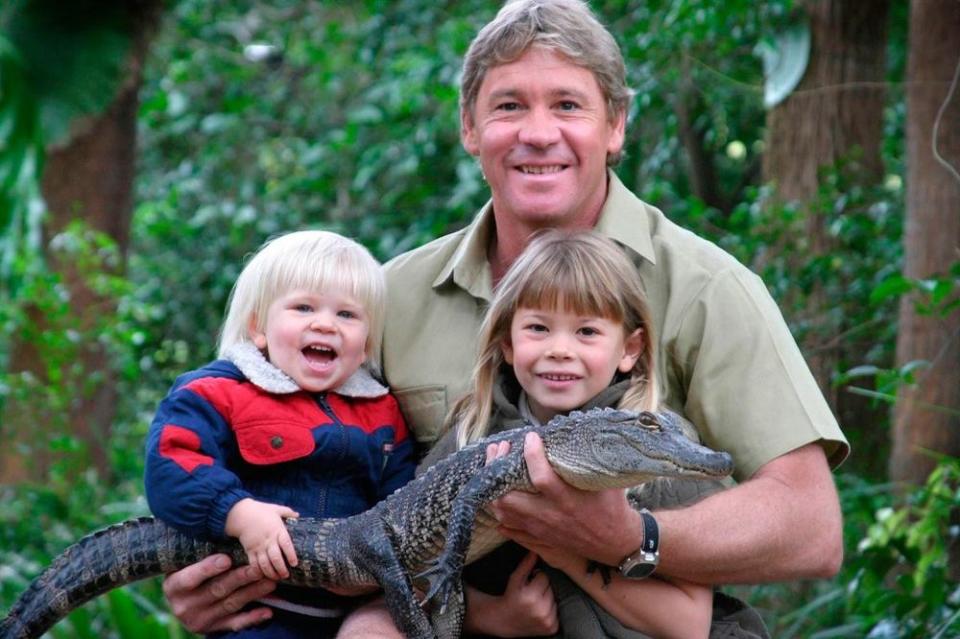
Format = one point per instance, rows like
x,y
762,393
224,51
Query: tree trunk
x,y
834,115
90,177
927,415
701,170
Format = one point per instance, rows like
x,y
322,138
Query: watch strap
x,y
641,563
651,532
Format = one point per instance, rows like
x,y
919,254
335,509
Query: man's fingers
x,y
233,581
235,602
243,620
541,473
194,575
521,537
514,507
206,599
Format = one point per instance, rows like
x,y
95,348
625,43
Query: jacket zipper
x,y
321,400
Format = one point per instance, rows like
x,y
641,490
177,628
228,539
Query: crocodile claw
x,y
441,578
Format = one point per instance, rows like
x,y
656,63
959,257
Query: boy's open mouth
x,y
319,354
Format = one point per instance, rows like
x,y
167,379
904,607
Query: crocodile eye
x,y
649,420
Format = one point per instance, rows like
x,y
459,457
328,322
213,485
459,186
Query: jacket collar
x,y
511,409
262,374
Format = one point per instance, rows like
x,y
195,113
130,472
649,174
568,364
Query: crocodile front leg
x,y
490,482
376,552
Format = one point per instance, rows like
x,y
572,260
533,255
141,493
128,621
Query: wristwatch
x,y
641,563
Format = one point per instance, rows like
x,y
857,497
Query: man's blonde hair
x,y
582,272
309,261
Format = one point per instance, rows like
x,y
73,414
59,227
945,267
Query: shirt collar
x,y
624,218
468,267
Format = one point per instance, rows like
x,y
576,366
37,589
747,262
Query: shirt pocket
x,y
423,408
263,443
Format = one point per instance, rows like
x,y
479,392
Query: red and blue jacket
x,y
218,438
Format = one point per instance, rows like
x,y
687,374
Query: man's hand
x,y
596,525
208,596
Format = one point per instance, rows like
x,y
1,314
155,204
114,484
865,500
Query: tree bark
x,y
701,170
90,177
834,115
926,415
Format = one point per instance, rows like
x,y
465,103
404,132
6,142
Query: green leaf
x,y
74,54
893,286
21,156
124,614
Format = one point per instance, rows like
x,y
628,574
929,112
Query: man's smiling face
x,y
542,132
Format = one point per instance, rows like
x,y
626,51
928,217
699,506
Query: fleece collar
x,y
265,375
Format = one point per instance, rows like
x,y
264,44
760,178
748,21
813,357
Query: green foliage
x,y
699,54
59,378
348,121
65,509
864,227
59,61
897,580
21,154
73,55
902,583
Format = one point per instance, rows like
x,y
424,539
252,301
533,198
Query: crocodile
x,y
420,536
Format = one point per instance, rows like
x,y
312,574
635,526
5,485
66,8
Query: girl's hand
x,y
259,527
527,607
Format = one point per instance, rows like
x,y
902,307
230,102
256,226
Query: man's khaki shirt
x,y
726,359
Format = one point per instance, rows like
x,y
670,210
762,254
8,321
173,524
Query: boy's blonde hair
x,y
581,272
310,261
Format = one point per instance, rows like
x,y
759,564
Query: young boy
x,y
289,421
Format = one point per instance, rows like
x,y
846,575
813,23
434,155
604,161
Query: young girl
x,y
289,421
568,328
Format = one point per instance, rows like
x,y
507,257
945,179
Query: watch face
x,y
639,571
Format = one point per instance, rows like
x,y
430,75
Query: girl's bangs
x,y
567,289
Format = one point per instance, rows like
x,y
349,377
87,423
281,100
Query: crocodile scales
x,y
422,534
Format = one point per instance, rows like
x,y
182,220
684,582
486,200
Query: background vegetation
x,y
252,118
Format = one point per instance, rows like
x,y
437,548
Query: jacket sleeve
x,y
187,481
400,464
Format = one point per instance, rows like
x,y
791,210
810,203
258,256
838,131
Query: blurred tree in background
x,y
256,118
80,65
928,414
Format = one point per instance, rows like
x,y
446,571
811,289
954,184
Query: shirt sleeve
x,y
188,485
748,388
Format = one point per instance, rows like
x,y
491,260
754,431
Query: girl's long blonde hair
x,y
581,272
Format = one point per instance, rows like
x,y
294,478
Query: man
x,y
543,108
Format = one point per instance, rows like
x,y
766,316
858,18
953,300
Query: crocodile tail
x,y
101,561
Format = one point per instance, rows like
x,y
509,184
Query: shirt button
x,y
276,442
